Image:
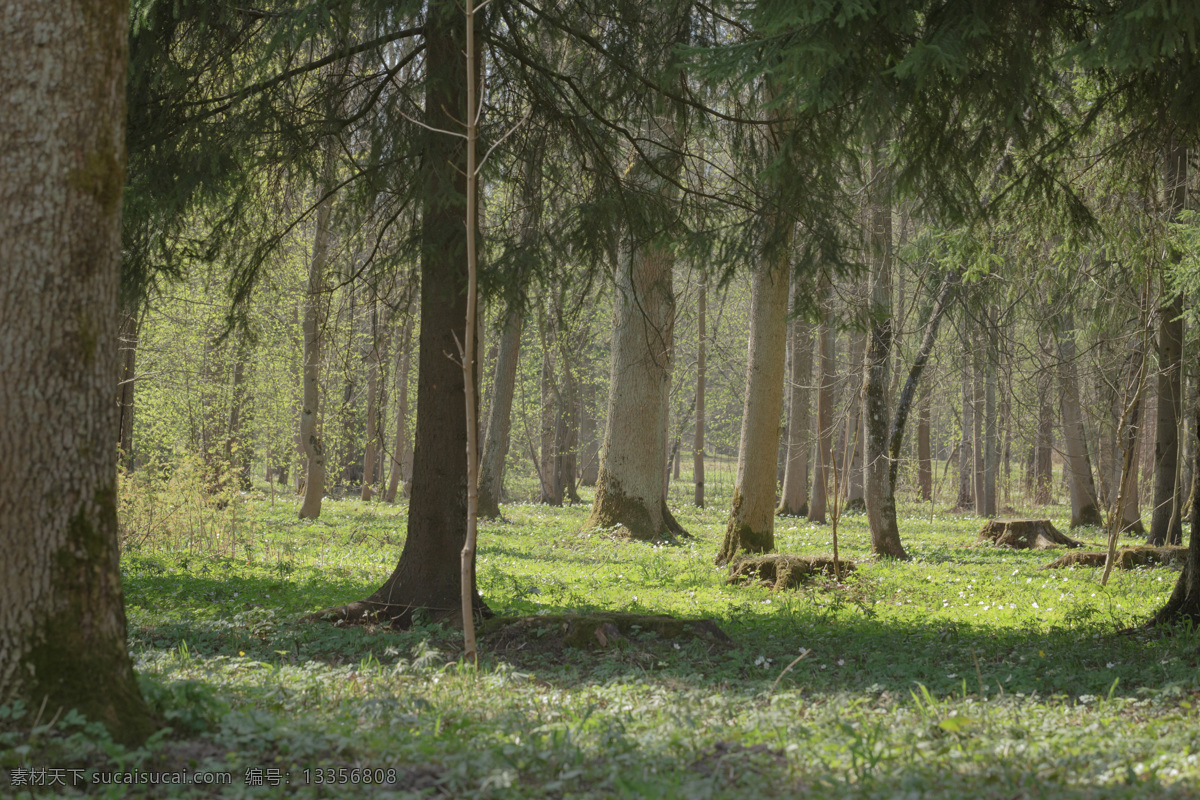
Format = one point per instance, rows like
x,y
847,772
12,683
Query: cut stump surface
x,y
1127,558
783,571
1026,534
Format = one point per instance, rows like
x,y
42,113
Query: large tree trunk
x,y
428,574
1085,506
878,492
793,499
62,617
819,497
495,446
316,310
751,527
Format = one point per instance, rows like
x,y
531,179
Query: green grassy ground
x,y
966,672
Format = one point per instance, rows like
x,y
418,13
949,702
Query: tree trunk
x,y
1131,518
551,490
977,415
372,402
566,426
127,372
589,468
1165,526
991,431
793,499
698,439
495,446
878,492
924,451
62,617
855,432
237,449
316,310
401,451
428,574
1043,475
751,527
630,486
966,458
1085,507
819,497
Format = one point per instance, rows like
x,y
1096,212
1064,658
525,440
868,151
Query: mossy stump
x,y
782,572
1025,534
596,631
1126,558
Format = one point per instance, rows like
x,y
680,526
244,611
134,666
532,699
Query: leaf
x,y
956,724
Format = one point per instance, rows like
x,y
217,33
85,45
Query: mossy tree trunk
x,y
62,617
751,526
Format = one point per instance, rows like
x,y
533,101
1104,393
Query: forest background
x,y
798,248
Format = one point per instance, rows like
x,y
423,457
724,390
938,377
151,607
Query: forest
x,y
596,398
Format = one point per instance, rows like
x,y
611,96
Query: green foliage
x,y
965,672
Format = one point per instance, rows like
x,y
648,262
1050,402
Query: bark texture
x,y
62,618
793,500
819,497
701,366
316,310
878,494
1085,506
751,526
495,445
427,575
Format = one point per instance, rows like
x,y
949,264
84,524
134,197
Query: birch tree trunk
x,y
751,526
316,310
62,617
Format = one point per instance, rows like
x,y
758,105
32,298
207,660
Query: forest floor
x,y
967,672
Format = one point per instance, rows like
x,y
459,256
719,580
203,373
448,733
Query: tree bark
x,y
966,459
793,499
698,438
1043,478
855,431
127,374
372,403
495,446
428,574
878,492
819,497
991,428
1085,506
751,526
316,310
401,450
62,617
1165,525
551,489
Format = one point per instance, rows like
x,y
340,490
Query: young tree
x,y
62,618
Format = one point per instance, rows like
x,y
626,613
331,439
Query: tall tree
x,y
793,498
826,346
1085,506
62,617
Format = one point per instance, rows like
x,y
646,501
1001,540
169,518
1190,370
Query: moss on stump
x,y
1025,534
783,571
1126,558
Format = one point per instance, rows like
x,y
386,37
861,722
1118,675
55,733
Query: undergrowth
x,y
965,672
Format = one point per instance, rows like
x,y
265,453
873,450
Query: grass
x,y
966,672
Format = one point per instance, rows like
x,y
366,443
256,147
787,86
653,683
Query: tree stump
x,y
1025,534
1126,558
783,571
